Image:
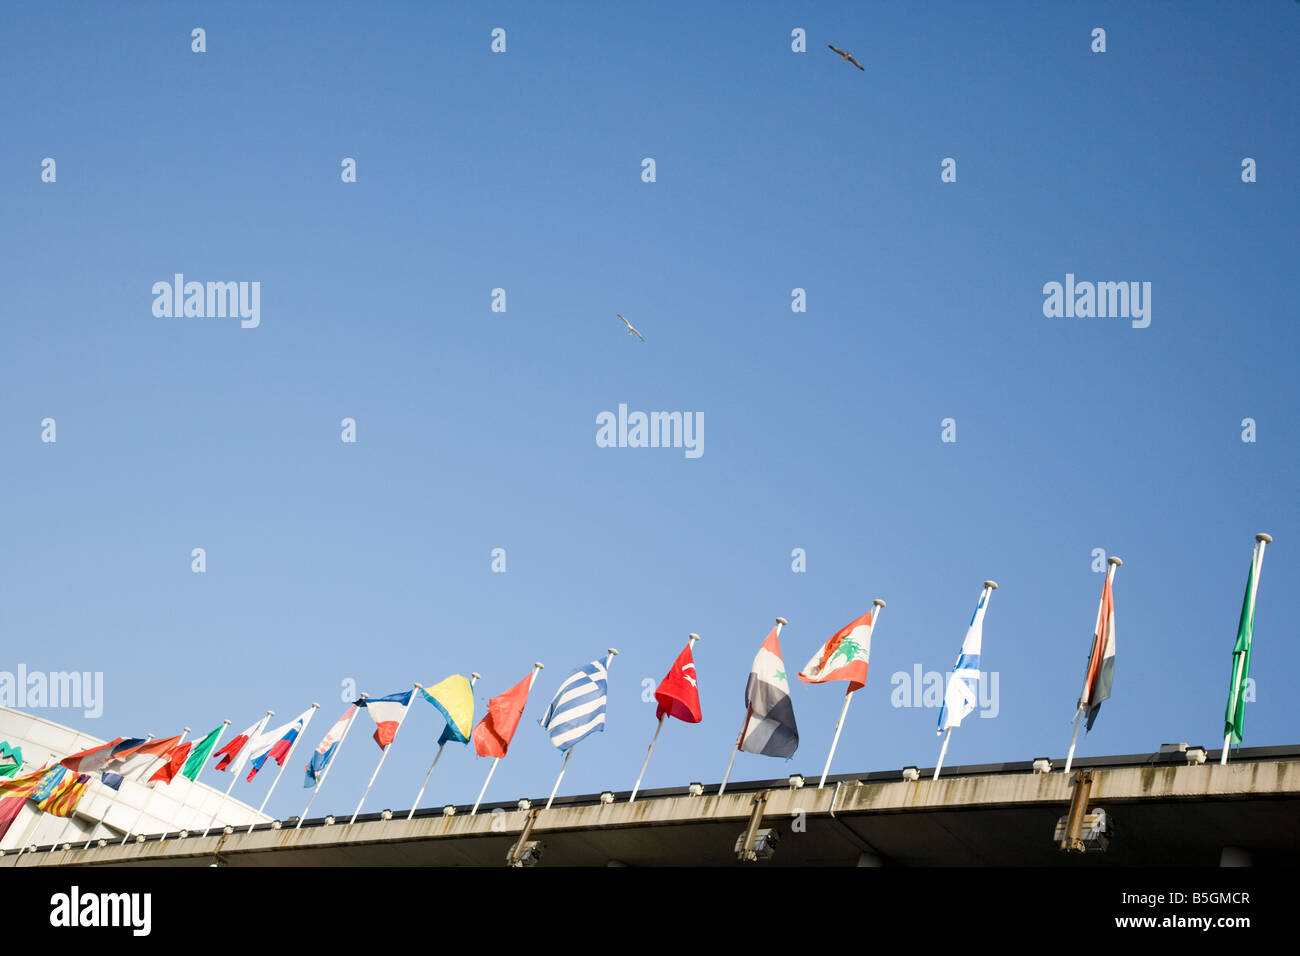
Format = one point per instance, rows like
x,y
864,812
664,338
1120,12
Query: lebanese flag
x,y
89,761
175,759
492,735
843,657
235,748
387,713
678,694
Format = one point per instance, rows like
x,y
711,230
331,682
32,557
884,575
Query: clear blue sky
x,y
476,430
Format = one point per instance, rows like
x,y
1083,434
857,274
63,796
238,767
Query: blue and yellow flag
x,y
454,698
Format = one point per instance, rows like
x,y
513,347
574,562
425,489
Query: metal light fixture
x,y
1043,765
607,796
1195,756
696,789
524,804
386,815
911,773
449,811
796,781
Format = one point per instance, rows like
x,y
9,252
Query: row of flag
x,y
578,709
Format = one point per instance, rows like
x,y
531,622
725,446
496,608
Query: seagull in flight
x,y
848,58
632,331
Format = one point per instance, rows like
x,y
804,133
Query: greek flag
x,y
578,708
961,694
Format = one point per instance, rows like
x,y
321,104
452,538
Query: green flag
x,y
1234,719
200,753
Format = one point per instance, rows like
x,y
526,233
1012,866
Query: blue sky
x,y
371,562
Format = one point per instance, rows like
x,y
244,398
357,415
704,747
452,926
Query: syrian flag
x,y
493,734
1101,662
843,657
678,694
961,694
132,763
233,755
276,743
387,713
89,761
326,749
769,728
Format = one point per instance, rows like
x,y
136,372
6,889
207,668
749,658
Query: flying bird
x,y
632,331
848,58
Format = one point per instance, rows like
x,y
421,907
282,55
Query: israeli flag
x,y
578,708
960,696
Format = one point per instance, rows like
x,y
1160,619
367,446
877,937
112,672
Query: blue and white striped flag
x,y
578,708
961,694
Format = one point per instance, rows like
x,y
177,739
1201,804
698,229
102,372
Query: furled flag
x,y
173,761
233,755
962,693
326,749
493,733
88,761
1234,718
132,763
454,698
13,796
276,743
63,800
387,713
678,694
579,706
1101,662
843,657
769,727
194,765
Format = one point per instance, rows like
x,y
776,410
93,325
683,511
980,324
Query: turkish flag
x,y
677,693
492,735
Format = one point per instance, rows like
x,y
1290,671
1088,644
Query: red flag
x,y
493,733
176,758
677,693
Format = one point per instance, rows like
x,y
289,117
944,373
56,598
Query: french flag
x,y
387,713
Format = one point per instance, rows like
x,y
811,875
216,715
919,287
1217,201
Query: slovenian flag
x,y
387,713
769,727
843,657
276,743
326,749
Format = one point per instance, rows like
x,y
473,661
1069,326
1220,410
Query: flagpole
x,y
635,789
537,669
990,587
234,775
384,754
224,725
569,753
103,817
287,757
1114,563
1258,562
848,696
473,679
140,816
740,738
326,772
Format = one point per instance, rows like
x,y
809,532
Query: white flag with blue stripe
x,y
961,694
578,708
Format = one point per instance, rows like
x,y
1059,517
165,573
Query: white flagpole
x,y
1258,562
473,679
740,738
90,837
569,753
194,782
848,696
144,778
990,587
287,757
537,669
636,789
1114,563
384,755
234,773
326,772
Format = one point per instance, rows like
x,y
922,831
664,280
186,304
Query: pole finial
x,y
878,603
314,705
1115,560
782,621
1266,538
538,664
991,585
475,674
693,636
612,650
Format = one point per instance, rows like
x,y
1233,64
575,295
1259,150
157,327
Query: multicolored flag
x,y
233,755
48,782
1234,718
387,713
962,693
843,657
769,727
63,799
578,708
326,749
454,698
276,743
88,761
26,784
13,796
1101,660
493,734
678,694
131,763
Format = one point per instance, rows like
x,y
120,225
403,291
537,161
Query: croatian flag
x,y
326,749
277,743
387,713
